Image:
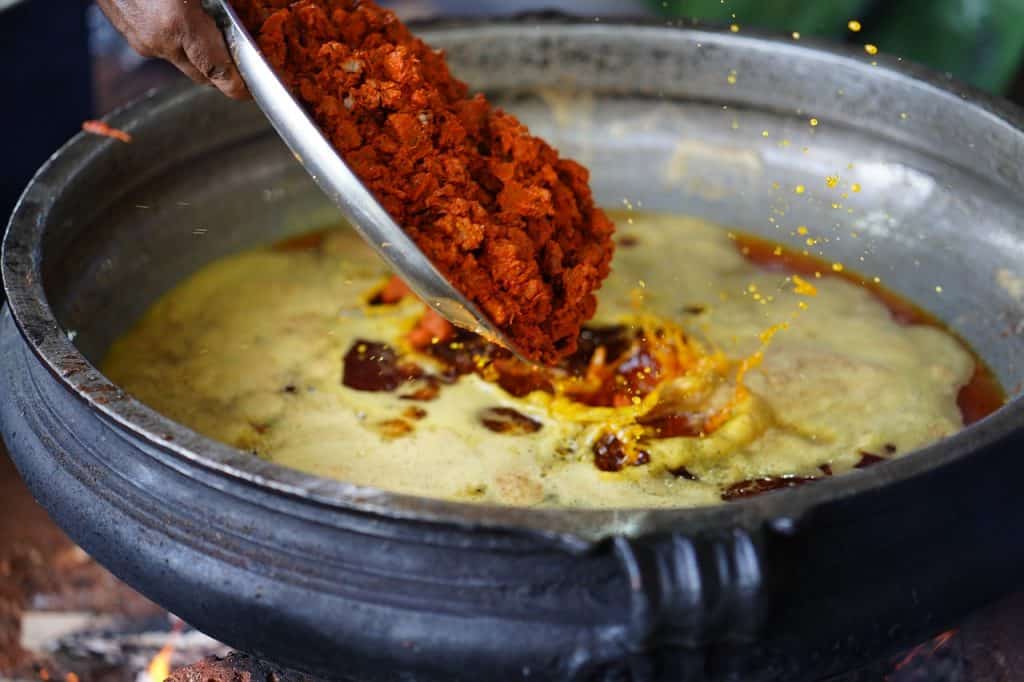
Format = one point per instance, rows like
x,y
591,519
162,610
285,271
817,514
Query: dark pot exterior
x,y
352,583
358,596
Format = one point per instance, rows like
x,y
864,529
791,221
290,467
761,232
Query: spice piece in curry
x,y
510,223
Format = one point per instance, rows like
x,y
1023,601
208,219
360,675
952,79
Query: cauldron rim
x,y
38,326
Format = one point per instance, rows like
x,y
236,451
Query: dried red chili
x,y
104,130
507,220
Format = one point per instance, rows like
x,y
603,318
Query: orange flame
x,y
159,669
927,648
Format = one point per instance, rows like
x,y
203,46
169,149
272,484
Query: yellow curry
x,y
704,377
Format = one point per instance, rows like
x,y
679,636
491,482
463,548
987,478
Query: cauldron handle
x,y
693,590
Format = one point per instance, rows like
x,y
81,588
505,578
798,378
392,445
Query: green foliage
x,y
979,41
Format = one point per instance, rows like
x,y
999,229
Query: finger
x,y
184,64
116,15
205,47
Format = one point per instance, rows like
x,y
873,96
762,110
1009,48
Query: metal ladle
x,y
340,184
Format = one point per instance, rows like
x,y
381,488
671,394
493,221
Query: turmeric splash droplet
x,y
853,25
871,49
768,334
803,287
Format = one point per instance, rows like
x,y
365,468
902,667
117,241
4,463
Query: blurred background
x,y
72,65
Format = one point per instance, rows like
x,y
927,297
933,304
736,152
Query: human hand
x,y
183,34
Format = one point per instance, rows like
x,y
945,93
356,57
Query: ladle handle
x,y
215,9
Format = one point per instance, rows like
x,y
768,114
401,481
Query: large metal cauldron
x,y
347,581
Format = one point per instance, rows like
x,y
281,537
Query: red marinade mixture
x,y
511,224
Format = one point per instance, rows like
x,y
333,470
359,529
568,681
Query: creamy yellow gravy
x,y
249,351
